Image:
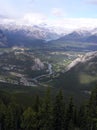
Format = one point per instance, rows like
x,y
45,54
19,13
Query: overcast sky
x,y
68,13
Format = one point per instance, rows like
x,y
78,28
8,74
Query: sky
x,y
61,13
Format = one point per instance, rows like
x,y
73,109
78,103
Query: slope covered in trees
x,y
48,114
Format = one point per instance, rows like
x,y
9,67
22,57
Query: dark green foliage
x,y
69,114
28,119
12,117
93,109
37,107
82,118
59,112
2,115
46,114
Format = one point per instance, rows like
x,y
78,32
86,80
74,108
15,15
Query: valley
x,y
48,65
28,71
29,67
33,58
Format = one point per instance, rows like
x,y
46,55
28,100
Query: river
x,y
50,73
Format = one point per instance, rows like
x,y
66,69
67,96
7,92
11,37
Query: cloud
x,y
33,18
57,12
27,19
7,21
64,23
75,23
3,16
92,2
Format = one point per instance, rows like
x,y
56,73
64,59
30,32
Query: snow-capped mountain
x,y
3,39
27,34
43,31
80,36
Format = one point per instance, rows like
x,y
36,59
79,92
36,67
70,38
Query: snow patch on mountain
x,y
34,31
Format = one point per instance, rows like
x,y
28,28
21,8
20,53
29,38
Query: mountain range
x,y
11,35
27,35
80,36
3,39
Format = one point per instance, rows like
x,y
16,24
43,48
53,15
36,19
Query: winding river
x,y
50,73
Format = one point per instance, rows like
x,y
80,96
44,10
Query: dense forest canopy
x,y
48,114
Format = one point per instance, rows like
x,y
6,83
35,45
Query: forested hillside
x,y
48,114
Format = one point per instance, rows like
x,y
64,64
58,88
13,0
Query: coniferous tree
x,y
2,115
93,109
83,117
12,117
75,117
9,119
69,113
36,107
59,112
71,125
29,119
46,112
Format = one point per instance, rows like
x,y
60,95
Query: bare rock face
x,y
81,74
89,59
38,65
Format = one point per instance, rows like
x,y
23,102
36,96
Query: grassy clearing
x,y
86,79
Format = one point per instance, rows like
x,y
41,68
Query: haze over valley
x,y
37,56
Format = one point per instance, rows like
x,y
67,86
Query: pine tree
x,y
83,121
2,115
69,113
29,119
71,125
59,112
46,112
12,117
36,107
75,117
93,109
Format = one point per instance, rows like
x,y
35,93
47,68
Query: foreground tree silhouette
x,y
12,117
49,115
28,119
46,112
83,117
36,108
2,115
59,112
93,109
69,114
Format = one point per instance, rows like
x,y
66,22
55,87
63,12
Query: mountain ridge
x,y
28,35
80,74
